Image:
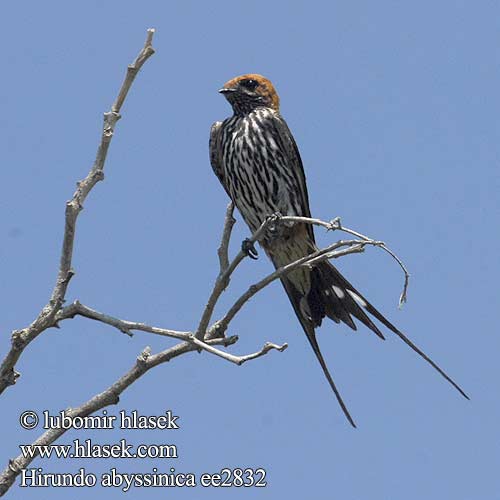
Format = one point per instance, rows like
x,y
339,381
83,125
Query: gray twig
x,y
223,249
238,360
79,309
124,326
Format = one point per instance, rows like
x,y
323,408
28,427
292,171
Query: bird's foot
x,y
335,224
274,217
248,248
273,222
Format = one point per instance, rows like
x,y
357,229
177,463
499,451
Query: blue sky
x,y
394,106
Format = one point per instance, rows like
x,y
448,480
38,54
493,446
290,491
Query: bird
x,y
256,159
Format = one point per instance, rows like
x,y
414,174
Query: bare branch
x,y
329,252
145,361
133,69
212,337
229,222
223,279
238,360
78,309
46,318
354,246
124,326
335,225
268,346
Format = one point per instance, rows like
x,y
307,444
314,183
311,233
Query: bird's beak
x,y
226,90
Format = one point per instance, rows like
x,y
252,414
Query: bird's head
x,y
248,92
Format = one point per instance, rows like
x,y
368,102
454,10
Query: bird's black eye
x,y
249,84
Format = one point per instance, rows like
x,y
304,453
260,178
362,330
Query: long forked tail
x,y
308,326
332,295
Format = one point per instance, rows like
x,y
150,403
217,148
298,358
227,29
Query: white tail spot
x,y
339,292
357,298
304,308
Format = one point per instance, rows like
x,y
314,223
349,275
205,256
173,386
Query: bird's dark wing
x,y
291,152
215,148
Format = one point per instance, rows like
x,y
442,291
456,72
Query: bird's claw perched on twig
x,y
335,224
273,222
274,217
248,248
